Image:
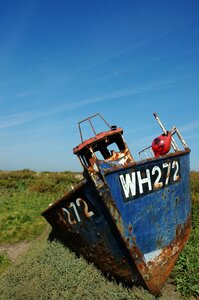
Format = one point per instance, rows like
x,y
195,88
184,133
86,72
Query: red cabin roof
x,y
96,138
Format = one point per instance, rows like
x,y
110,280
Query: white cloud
x,y
19,118
25,117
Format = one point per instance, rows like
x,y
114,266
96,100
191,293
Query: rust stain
x,y
115,214
130,228
157,185
156,272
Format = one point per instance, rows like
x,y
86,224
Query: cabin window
x,y
103,150
85,158
99,155
113,147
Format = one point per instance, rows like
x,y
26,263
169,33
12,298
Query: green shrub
x,y
43,186
195,186
53,183
16,179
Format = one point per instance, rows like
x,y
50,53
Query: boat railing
x,y
148,152
89,120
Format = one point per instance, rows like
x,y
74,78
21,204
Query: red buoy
x,y
162,144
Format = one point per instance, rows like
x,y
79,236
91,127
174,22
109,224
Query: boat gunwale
x,y
135,164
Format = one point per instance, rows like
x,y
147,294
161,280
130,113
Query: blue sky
x,y
61,61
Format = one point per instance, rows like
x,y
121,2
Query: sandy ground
x,y
15,250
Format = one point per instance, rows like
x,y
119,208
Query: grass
x,y
186,271
23,195
50,271
4,262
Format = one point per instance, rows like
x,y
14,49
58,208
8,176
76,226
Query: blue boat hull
x,y
135,225
153,200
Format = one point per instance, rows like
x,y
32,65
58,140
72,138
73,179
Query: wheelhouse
x,y
105,147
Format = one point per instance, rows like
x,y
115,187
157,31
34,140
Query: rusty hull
x,y
166,210
156,271
94,237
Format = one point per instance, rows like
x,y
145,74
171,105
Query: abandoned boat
x,y
130,218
